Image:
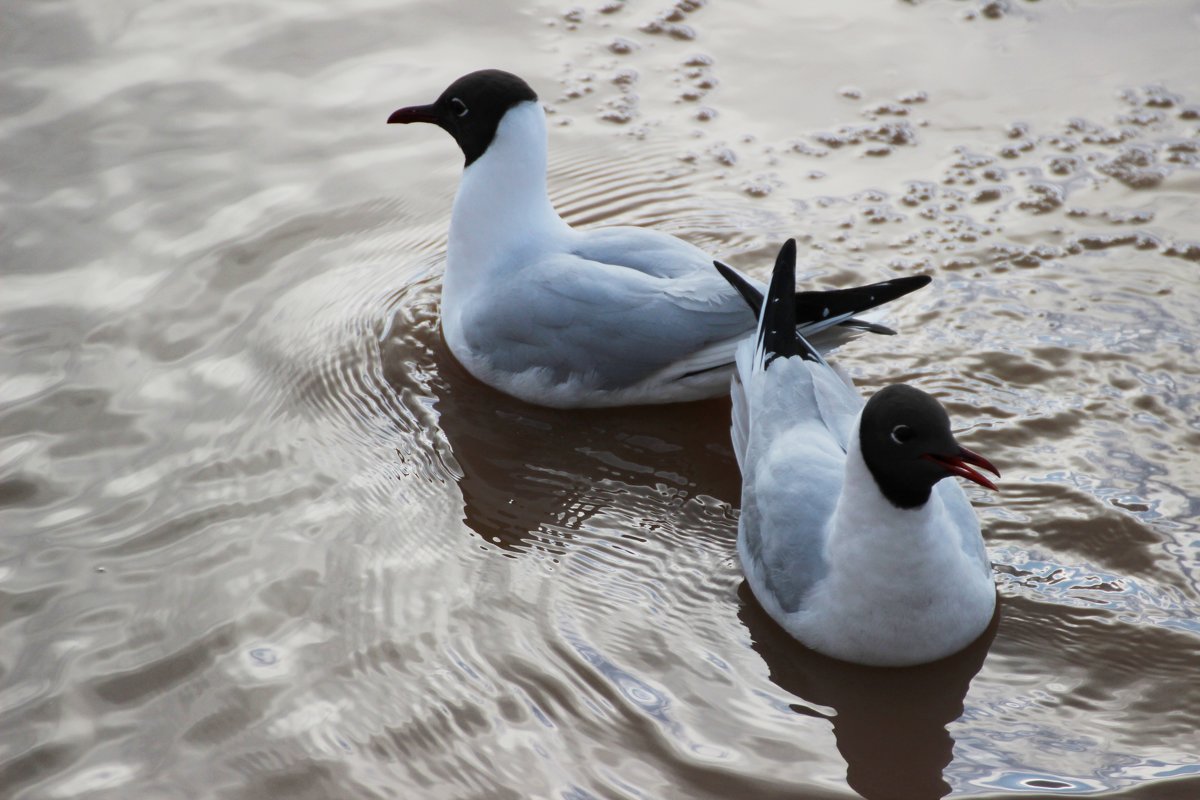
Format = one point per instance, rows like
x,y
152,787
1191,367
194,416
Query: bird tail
x,y
817,310
777,334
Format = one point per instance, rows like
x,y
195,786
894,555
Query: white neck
x,y
901,589
864,513
502,205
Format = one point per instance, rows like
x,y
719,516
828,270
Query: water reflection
x,y
531,476
890,724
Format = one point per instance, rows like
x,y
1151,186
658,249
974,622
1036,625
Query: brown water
x,y
263,538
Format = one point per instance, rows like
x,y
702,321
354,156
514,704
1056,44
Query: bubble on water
x,y
625,77
880,214
1182,151
1122,217
1143,117
890,133
1014,150
1042,197
724,155
994,9
1135,166
960,262
918,192
574,91
804,148
664,25
622,46
1151,96
985,195
620,109
1064,165
1189,251
887,109
757,188
264,656
1017,130
1065,143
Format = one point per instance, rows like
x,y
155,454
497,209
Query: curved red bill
x,y
958,465
414,114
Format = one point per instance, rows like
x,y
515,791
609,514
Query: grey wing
x,y
786,506
571,315
648,251
838,401
792,467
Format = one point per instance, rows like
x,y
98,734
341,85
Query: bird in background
x,y
582,318
850,536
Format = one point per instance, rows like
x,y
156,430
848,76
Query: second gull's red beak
x,y
957,465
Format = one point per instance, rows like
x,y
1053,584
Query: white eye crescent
x,y
902,433
460,108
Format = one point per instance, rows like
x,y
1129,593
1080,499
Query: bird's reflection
x,y
890,724
529,476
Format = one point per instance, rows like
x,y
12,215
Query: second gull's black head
x,y
471,108
908,447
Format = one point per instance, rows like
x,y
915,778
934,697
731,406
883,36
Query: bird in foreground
x,y
577,318
850,536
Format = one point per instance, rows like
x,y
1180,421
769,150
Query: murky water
x,y
262,537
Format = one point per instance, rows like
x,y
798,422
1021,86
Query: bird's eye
x,y
460,108
902,433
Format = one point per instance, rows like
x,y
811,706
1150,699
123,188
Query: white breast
x,y
901,589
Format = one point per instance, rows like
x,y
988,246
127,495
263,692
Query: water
x,y
262,537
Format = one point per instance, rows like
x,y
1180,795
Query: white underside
x,y
537,386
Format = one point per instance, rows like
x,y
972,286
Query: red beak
x,y
414,114
957,465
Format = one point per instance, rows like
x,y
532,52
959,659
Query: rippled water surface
x,y
262,537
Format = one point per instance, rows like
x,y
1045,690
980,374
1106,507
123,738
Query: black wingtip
x,y
787,258
814,306
751,295
777,334
777,328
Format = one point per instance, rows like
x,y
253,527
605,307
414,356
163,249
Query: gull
x,y
849,535
571,318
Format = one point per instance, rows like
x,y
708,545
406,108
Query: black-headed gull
x,y
576,318
849,535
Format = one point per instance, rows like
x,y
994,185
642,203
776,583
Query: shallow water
x,y
262,537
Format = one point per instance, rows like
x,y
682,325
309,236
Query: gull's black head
x,y
471,108
907,444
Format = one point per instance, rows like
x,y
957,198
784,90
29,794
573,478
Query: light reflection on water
x,y
264,537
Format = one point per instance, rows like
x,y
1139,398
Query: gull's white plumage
x,y
829,557
565,317
630,303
